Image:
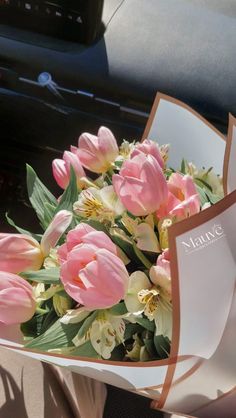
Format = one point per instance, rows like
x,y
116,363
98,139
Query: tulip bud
x,y
17,303
97,153
61,169
19,252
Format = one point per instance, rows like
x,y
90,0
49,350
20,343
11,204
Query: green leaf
x,y
32,327
203,184
85,350
86,324
202,195
213,198
149,325
39,195
96,225
49,212
162,345
46,276
48,321
119,309
57,336
142,257
23,231
132,329
119,163
38,324
150,347
124,244
70,195
183,166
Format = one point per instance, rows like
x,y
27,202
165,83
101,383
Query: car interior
x,y
70,66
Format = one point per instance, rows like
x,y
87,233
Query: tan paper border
x,y
174,231
232,123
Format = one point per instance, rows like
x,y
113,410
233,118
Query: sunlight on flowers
x,y
102,205
144,296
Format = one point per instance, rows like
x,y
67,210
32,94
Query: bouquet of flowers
x,y
98,280
96,285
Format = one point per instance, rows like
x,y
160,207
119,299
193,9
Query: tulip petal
x,y
55,230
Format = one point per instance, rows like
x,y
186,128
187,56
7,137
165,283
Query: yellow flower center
x,y
150,298
91,207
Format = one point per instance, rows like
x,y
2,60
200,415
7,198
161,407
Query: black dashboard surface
x,y
184,48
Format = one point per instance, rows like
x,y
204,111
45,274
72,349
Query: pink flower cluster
x,y
96,153
143,188
140,184
90,269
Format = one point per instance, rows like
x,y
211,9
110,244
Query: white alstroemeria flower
x,y
137,282
125,150
138,351
52,260
208,176
164,150
105,332
74,316
43,294
38,290
143,296
101,204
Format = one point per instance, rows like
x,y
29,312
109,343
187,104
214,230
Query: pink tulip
x,y
61,169
85,234
94,277
141,185
17,303
97,153
19,252
160,274
187,208
163,261
149,147
183,200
